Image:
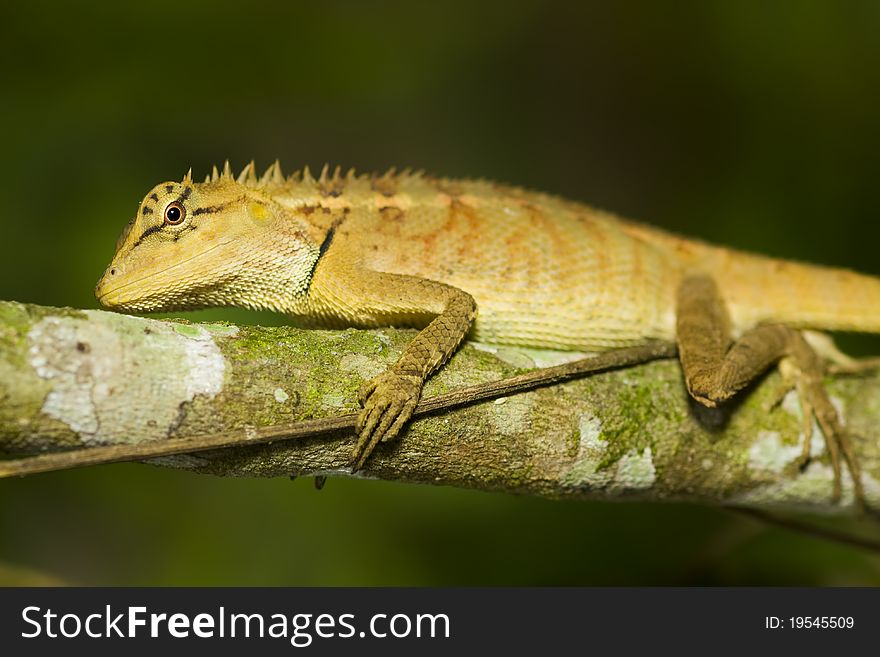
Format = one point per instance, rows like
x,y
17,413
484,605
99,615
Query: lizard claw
x,y
389,401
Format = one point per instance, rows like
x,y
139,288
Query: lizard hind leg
x,y
715,369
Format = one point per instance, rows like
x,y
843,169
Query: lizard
x,y
480,260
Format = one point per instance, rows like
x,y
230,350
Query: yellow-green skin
x,y
454,258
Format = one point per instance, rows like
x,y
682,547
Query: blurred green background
x,y
751,124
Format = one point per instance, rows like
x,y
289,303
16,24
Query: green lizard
x,y
476,259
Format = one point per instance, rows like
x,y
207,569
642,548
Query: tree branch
x,y
83,378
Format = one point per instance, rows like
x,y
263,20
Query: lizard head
x,y
197,245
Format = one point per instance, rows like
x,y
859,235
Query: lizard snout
x,y
105,284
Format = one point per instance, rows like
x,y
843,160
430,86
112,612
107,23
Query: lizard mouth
x,y
115,297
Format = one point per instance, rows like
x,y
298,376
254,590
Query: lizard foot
x,y
388,402
805,375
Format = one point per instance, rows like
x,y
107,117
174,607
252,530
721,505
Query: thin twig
x,y
309,428
872,545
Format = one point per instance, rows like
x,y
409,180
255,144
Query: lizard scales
x,y
460,258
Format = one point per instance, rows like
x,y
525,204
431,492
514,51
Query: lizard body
x,y
466,258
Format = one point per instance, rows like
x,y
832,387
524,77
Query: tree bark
x,y
79,378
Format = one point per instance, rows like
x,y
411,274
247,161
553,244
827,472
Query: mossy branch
x,y
79,378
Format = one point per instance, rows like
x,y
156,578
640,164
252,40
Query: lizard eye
x,y
174,214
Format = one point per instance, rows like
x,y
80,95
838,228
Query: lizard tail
x,y
759,289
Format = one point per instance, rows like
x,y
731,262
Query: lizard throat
x,y
125,291
240,278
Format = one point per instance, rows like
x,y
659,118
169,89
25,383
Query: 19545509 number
x,y
809,622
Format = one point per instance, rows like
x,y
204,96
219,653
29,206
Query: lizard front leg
x,y
389,399
715,369
370,298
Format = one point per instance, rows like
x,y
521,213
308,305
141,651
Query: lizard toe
x,y
366,390
389,401
403,416
367,421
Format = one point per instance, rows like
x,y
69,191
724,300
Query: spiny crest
x,y
327,179
248,176
273,175
329,183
